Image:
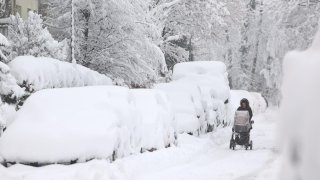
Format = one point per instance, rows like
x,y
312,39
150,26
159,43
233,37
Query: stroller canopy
x,y
241,121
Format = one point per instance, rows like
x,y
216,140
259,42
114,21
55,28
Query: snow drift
x,y
79,124
198,94
43,73
300,113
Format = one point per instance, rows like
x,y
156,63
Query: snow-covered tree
x,y
122,38
9,90
113,37
3,44
175,49
30,37
271,28
200,21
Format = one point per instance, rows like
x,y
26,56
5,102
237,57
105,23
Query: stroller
x,y
241,130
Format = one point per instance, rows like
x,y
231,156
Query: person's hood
x,y
245,101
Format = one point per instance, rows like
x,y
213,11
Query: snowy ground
x,y
207,157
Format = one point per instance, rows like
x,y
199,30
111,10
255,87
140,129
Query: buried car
x,y
198,92
79,124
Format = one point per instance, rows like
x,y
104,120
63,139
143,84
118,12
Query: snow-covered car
x,y
199,91
186,105
79,124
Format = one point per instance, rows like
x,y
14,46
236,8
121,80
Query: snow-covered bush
x,y
300,114
258,103
42,73
108,122
29,37
199,91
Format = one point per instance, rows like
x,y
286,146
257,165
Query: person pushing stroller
x,y
245,106
242,126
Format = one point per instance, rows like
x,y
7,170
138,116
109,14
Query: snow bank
x,y
60,125
300,113
198,94
43,73
257,103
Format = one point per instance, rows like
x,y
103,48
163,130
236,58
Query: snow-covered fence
x,y
43,73
79,124
199,93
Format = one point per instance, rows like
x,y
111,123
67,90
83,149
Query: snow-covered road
x,y
207,157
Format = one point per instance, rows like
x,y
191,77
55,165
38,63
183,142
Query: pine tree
x,y
9,90
30,37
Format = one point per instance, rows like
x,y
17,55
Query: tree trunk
x,y
255,59
86,15
190,49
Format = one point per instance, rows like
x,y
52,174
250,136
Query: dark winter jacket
x,y
248,108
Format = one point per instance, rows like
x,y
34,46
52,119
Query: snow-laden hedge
x,y
258,104
198,93
43,73
60,125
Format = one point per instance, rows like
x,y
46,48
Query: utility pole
x,y
72,33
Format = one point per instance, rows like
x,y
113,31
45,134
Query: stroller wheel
x,y
231,144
